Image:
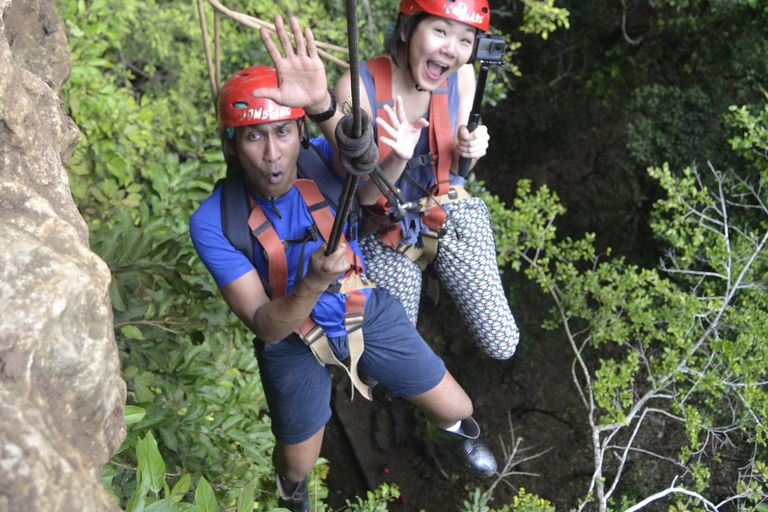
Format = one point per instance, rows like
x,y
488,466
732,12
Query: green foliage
x,y
375,501
149,155
683,342
198,434
752,138
521,502
542,17
675,114
671,124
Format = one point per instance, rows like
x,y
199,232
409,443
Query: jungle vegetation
x,y
668,325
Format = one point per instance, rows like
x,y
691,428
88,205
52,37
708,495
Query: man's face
x,y
268,153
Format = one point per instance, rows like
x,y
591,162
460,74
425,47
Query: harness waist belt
x,y
429,238
317,341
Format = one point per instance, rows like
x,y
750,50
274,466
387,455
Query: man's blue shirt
x,y
225,263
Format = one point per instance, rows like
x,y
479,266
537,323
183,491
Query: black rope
x,y
356,141
351,181
358,155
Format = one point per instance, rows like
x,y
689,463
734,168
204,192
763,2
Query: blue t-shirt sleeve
x,y
223,261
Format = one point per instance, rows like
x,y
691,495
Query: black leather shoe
x,y
466,447
298,500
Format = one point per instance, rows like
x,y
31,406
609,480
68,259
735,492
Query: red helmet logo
x,y
472,12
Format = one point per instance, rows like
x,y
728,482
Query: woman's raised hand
x,y
401,135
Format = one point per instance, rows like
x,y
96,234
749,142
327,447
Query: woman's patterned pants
x,y
466,268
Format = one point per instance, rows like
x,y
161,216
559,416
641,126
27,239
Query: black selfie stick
x,y
474,116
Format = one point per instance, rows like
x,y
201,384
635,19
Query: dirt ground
x,y
530,398
525,399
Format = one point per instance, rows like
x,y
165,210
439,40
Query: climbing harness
x,y
235,200
440,138
349,285
431,206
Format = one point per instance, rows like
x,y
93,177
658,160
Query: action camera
x,y
490,48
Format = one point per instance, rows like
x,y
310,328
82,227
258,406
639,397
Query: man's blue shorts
x,y
298,388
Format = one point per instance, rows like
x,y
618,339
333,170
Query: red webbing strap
x,y
305,327
321,214
323,218
441,138
274,251
441,141
381,70
355,302
391,236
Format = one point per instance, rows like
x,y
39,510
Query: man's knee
x,y
294,461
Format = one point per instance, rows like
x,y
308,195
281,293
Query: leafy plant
x,y
679,345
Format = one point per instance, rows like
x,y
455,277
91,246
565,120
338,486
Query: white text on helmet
x,y
461,12
267,113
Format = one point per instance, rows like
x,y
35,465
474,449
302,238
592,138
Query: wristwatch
x,y
324,116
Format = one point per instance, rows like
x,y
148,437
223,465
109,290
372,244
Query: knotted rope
x,y
358,156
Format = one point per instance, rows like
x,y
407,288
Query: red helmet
x,y
238,107
472,12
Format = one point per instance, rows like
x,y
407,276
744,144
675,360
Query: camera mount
x,y
489,50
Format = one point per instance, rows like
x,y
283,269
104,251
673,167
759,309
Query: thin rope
x,y
207,47
217,49
257,23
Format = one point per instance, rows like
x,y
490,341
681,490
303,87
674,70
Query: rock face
x,y
38,41
61,395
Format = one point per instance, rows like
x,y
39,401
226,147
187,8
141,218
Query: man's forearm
x,y
279,318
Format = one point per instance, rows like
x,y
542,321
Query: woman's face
x,y
438,47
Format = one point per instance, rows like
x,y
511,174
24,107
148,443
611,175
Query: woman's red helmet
x,y
475,13
238,107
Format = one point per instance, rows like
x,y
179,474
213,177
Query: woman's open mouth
x,y
435,70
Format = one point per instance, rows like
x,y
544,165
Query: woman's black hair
x,y
392,40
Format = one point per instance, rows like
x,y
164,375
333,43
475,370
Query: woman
x,y
428,74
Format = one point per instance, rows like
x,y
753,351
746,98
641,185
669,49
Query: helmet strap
x,y
304,132
228,146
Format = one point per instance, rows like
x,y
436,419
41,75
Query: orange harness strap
x,y
274,251
323,218
309,331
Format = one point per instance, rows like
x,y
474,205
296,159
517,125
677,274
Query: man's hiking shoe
x,y
466,447
296,501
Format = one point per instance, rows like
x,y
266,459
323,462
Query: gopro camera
x,y
490,48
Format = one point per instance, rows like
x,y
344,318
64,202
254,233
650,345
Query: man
x,y
307,308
